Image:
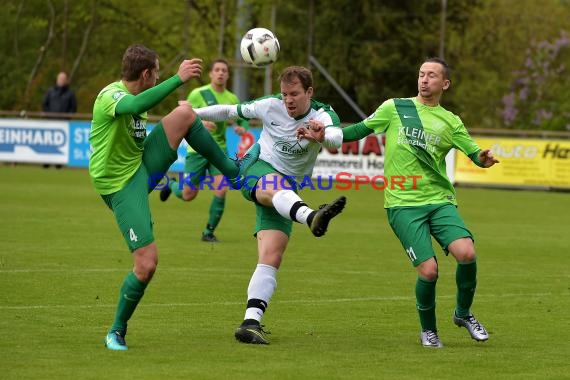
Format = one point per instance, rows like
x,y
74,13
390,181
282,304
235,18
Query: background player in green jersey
x,y
196,165
286,159
419,134
125,162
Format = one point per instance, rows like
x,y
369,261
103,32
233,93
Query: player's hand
x,y
184,103
486,158
239,130
313,131
190,68
210,125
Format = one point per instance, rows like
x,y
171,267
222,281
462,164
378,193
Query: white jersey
x,y
278,140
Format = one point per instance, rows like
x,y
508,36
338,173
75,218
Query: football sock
x,y
216,212
131,293
202,142
291,206
261,288
425,303
176,188
466,279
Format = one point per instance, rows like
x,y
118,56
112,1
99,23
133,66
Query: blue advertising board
x,y
34,141
80,151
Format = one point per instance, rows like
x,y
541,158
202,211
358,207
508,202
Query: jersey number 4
x,y
411,253
132,235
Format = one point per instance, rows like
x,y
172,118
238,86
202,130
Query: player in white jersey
x,y
279,147
290,141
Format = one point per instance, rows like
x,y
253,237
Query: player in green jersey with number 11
x,y
419,134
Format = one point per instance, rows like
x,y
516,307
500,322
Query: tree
x,y
490,49
371,48
540,95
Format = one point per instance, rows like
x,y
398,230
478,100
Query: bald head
x,y
61,79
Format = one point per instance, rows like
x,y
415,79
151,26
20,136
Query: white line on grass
x,y
312,302
232,270
171,270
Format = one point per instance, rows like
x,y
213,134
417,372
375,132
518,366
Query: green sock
x,y
202,142
425,303
466,279
175,187
131,293
216,212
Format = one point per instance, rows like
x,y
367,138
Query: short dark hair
x,y
297,72
136,59
220,60
442,62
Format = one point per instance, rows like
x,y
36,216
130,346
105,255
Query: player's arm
x,y
323,128
218,112
136,104
355,132
464,142
333,137
483,158
241,124
196,100
315,130
378,123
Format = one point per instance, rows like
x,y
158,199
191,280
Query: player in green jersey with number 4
x,y
126,163
198,172
419,134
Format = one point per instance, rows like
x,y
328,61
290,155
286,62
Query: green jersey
x,y
418,137
207,96
116,141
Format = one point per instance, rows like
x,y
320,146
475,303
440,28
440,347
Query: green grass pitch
x,y
344,306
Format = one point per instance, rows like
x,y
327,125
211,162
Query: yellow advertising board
x,y
523,163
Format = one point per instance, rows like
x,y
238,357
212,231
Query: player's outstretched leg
x,y
324,214
475,328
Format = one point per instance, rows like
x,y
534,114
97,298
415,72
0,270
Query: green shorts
x,y
266,218
198,167
414,226
130,205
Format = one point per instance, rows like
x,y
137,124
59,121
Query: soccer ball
x,y
259,47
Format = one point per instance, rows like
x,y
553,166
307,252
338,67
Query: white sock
x,y
261,288
286,200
